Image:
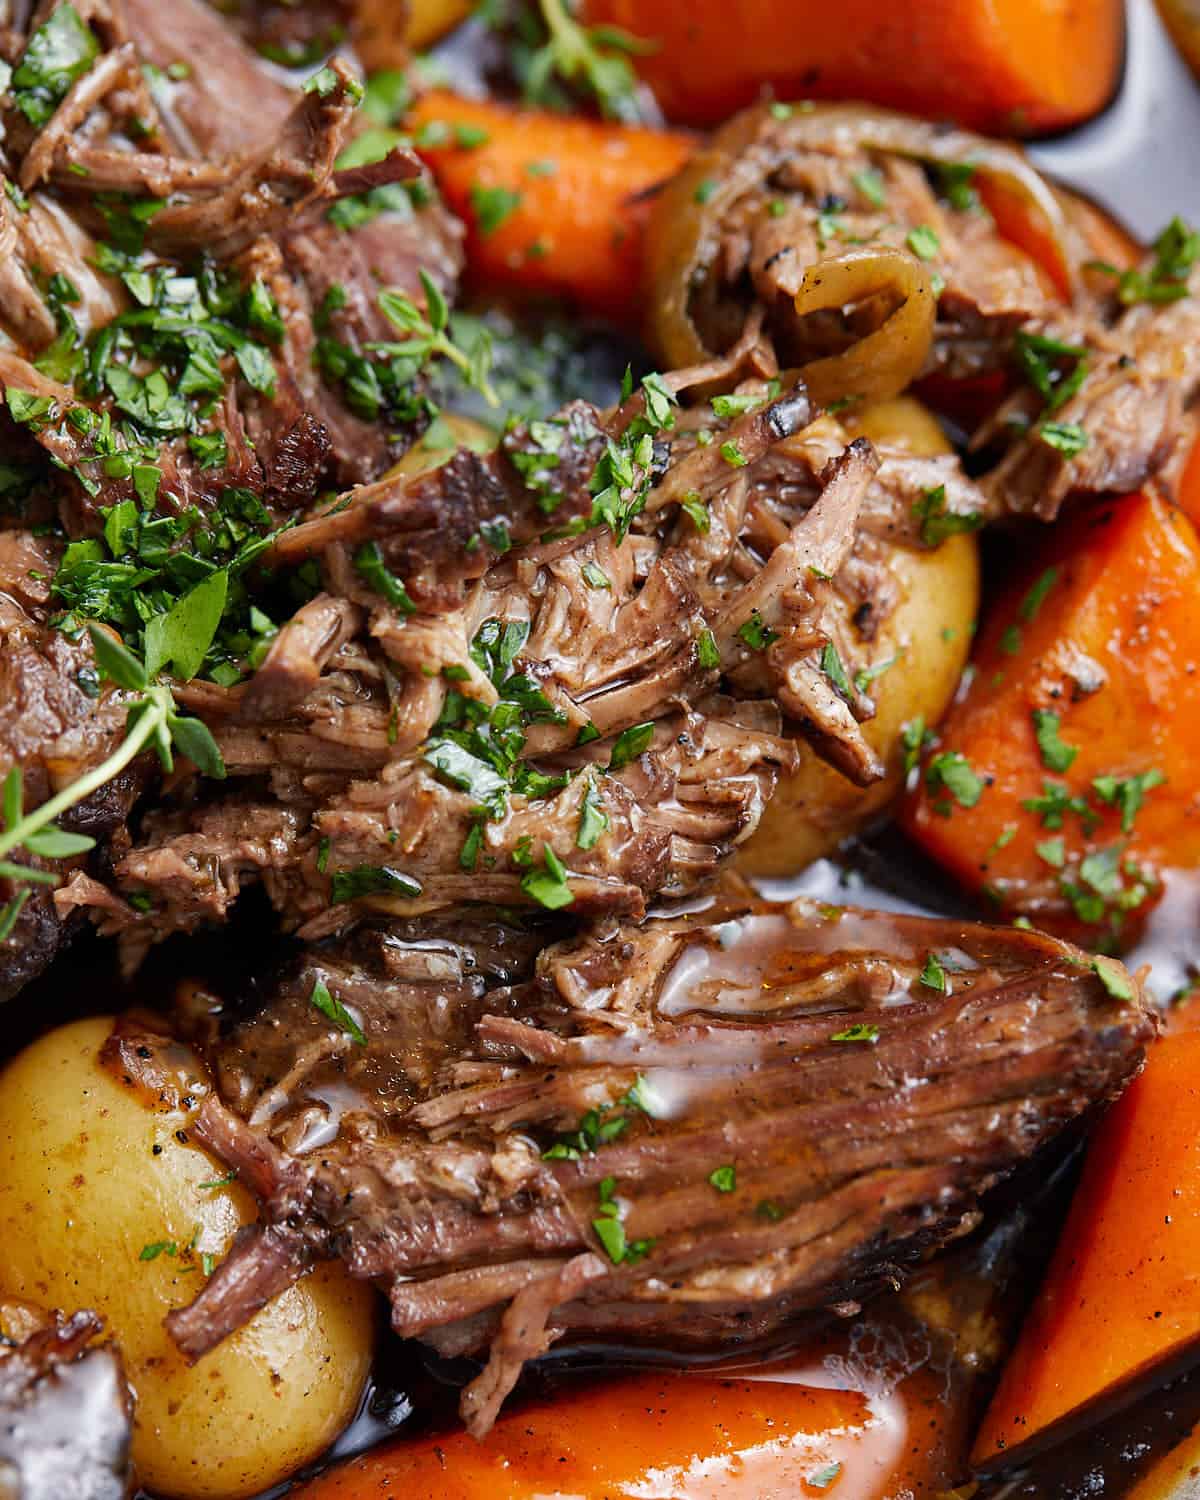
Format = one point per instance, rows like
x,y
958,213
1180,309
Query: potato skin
x,y
816,808
89,1175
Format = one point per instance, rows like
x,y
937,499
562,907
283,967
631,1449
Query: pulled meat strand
x,y
716,1041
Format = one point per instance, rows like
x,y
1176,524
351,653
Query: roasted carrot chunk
x,y
1121,1299
662,1433
1067,775
1012,66
553,205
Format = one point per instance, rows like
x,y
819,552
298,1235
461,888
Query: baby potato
x,y
430,19
106,1203
929,635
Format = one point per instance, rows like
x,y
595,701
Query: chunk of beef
x,y
65,1409
237,166
689,1130
57,721
1130,421
618,710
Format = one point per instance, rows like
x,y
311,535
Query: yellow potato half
x,y
104,1204
929,635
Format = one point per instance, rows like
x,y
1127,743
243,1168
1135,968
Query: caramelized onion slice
x,y
888,359
702,207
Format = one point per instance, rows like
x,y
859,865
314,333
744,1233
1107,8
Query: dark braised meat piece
x,y
65,1410
57,721
1103,391
683,1132
175,136
473,702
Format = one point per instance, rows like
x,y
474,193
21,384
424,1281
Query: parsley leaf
x,y
492,206
629,744
933,975
372,880
951,769
923,242
548,886
333,1008
593,820
61,50
755,633
938,521
862,1031
1056,754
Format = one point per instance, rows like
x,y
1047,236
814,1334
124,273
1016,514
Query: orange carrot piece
x,y
1121,1297
1189,486
772,1437
1009,66
1085,702
554,205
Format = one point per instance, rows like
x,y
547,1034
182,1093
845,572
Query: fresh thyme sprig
x,y
153,721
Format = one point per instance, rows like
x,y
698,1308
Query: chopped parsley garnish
x,y
335,1011
697,511
831,665
933,975
610,1230
1067,438
724,1179
1036,596
629,744
707,652
61,50
865,676
1056,754
371,568
950,770
156,1248
738,405
757,635
1053,852
1127,793
152,722
861,1031
705,189
493,206
1055,803
593,820
915,737
427,334
1113,977
938,521
601,1126
623,476
870,184
553,55
955,181
372,880
1175,253
548,886
923,242
1055,370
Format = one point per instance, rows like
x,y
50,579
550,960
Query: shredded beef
x,y
778,1109
57,721
717,639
